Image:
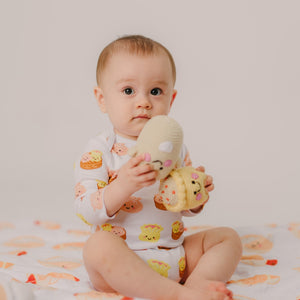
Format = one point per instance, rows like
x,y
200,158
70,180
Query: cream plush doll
x,y
161,141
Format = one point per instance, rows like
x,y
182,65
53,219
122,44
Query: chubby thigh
x,y
168,262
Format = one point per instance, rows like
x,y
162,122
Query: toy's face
x,y
161,142
162,159
196,186
163,168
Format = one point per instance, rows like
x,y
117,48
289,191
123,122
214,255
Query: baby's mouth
x,y
142,116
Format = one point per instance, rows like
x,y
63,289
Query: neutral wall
x,y
238,99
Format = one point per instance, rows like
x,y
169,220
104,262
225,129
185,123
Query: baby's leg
x,y
211,257
112,266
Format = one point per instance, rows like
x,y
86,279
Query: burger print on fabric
x,y
91,160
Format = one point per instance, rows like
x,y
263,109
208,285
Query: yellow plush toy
x,y
161,141
183,189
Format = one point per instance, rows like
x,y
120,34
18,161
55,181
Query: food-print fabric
x,y
42,260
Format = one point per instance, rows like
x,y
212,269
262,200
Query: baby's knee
x,y
98,246
95,253
232,236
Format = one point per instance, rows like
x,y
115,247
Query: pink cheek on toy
x,y
168,163
147,157
195,176
199,196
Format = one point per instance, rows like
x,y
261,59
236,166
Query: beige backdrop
x,y
238,98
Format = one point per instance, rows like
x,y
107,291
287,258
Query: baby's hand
x,y
133,176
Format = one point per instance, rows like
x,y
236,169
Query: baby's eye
x,y
128,91
156,91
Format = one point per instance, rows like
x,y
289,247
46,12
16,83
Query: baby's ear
x,y
100,98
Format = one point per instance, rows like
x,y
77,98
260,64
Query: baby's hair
x,y
133,44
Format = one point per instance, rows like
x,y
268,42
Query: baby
x,y
137,247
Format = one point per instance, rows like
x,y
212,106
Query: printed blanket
x,y
42,260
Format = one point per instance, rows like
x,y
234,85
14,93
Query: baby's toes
x,y
220,287
220,296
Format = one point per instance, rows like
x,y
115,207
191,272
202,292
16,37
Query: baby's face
x,y
135,88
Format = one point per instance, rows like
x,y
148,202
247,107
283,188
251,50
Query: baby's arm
x,y
132,176
97,200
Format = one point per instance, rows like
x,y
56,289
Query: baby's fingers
x,y
148,176
209,183
201,169
210,188
143,169
135,161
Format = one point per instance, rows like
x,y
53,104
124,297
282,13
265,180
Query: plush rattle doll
x,y
161,141
183,189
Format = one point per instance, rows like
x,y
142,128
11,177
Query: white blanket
x,y
42,260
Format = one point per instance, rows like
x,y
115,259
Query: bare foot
x,y
212,286
191,294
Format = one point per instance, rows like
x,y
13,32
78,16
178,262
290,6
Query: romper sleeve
x,y
186,162
91,177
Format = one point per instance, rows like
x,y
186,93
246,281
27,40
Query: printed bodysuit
x,y
142,222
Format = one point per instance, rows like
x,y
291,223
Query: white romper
x,y
154,233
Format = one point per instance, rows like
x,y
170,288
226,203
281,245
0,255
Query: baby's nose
x,y
144,101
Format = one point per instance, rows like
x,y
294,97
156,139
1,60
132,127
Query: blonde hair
x,y
133,44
